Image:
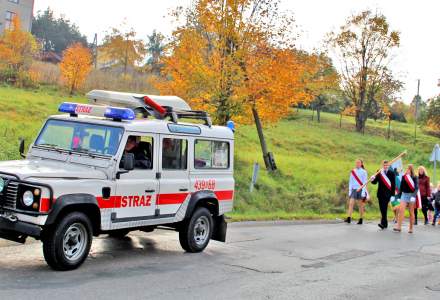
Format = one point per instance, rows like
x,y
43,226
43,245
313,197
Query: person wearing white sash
x,y
386,189
408,187
358,176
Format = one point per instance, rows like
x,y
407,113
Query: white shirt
x,y
353,184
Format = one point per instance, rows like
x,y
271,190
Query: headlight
x,y
28,198
2,184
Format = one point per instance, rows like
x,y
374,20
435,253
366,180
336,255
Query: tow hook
x,y
11,218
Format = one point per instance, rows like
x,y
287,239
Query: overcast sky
x,y
418,22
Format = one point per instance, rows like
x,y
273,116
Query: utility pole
x,y
268,157
416,111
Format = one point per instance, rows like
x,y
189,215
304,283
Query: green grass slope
x,y
22,113
314,159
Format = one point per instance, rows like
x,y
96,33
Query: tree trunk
x,y
360,121
262,139
389,129
340,120
318,113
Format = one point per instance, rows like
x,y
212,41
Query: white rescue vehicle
x,y
123,162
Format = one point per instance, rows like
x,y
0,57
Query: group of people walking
x,y
400,189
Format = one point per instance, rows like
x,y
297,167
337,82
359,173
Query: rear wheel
x,y
196,232
67,244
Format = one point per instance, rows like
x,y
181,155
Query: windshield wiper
x,y
85,151
52,147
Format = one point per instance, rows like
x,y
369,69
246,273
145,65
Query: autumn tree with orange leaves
x,y
321,80
236,60
17,48
364,48
122,47
75,66
234,56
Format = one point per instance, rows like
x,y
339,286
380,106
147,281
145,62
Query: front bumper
x,y
16,230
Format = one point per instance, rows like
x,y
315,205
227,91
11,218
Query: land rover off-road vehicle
x,y
123,162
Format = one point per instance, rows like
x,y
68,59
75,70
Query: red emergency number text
x,y
202,184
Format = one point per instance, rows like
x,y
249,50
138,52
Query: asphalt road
x,y
259,261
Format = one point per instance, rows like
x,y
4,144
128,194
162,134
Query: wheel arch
x,y
206,199
85,203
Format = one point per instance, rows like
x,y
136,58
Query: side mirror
x,y
128,159
21,148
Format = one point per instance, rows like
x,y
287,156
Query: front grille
x,y
8,197
11,193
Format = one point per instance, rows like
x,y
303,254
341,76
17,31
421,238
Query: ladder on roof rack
x,y
162,112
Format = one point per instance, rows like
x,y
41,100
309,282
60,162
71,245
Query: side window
x,y
174,154
142,148
211,154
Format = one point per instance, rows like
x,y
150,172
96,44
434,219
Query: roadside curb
x,y
284,223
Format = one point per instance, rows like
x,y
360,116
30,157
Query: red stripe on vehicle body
x,y
164,199
112,202
224,195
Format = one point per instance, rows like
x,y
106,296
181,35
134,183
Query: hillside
x,y
313,158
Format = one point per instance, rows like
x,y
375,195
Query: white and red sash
x,y
410,182
385,180
356,177
418,200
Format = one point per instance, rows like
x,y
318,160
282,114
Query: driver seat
x,y
97,143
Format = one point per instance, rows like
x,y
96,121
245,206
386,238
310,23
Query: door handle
x,y
150,191
183,190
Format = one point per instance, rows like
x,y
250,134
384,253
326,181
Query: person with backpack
x,y
386,189
408,188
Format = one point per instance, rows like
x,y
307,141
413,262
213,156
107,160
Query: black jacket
x,y
436,197
382,191
404,187
141,159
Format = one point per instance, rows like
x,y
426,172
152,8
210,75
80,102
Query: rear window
x,y
174,154
211,154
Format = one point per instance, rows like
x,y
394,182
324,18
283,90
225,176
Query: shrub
x,y
46,73
17,48
115,80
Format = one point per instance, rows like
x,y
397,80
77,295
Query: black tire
x,y
187,237
53,242
118,234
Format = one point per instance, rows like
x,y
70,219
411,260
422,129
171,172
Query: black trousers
x,y
425,206
383,205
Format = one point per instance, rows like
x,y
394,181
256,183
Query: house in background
x,y
24,9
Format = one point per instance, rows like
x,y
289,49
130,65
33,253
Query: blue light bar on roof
x,y
116,113
119,113
67,107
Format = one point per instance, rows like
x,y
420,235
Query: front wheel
x,y
67,245
196,232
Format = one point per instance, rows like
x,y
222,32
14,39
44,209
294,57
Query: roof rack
x,y
160,107
163,112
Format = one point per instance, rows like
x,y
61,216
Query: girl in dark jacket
x,y
408,188
425,192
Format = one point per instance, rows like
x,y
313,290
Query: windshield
x,y
81,137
